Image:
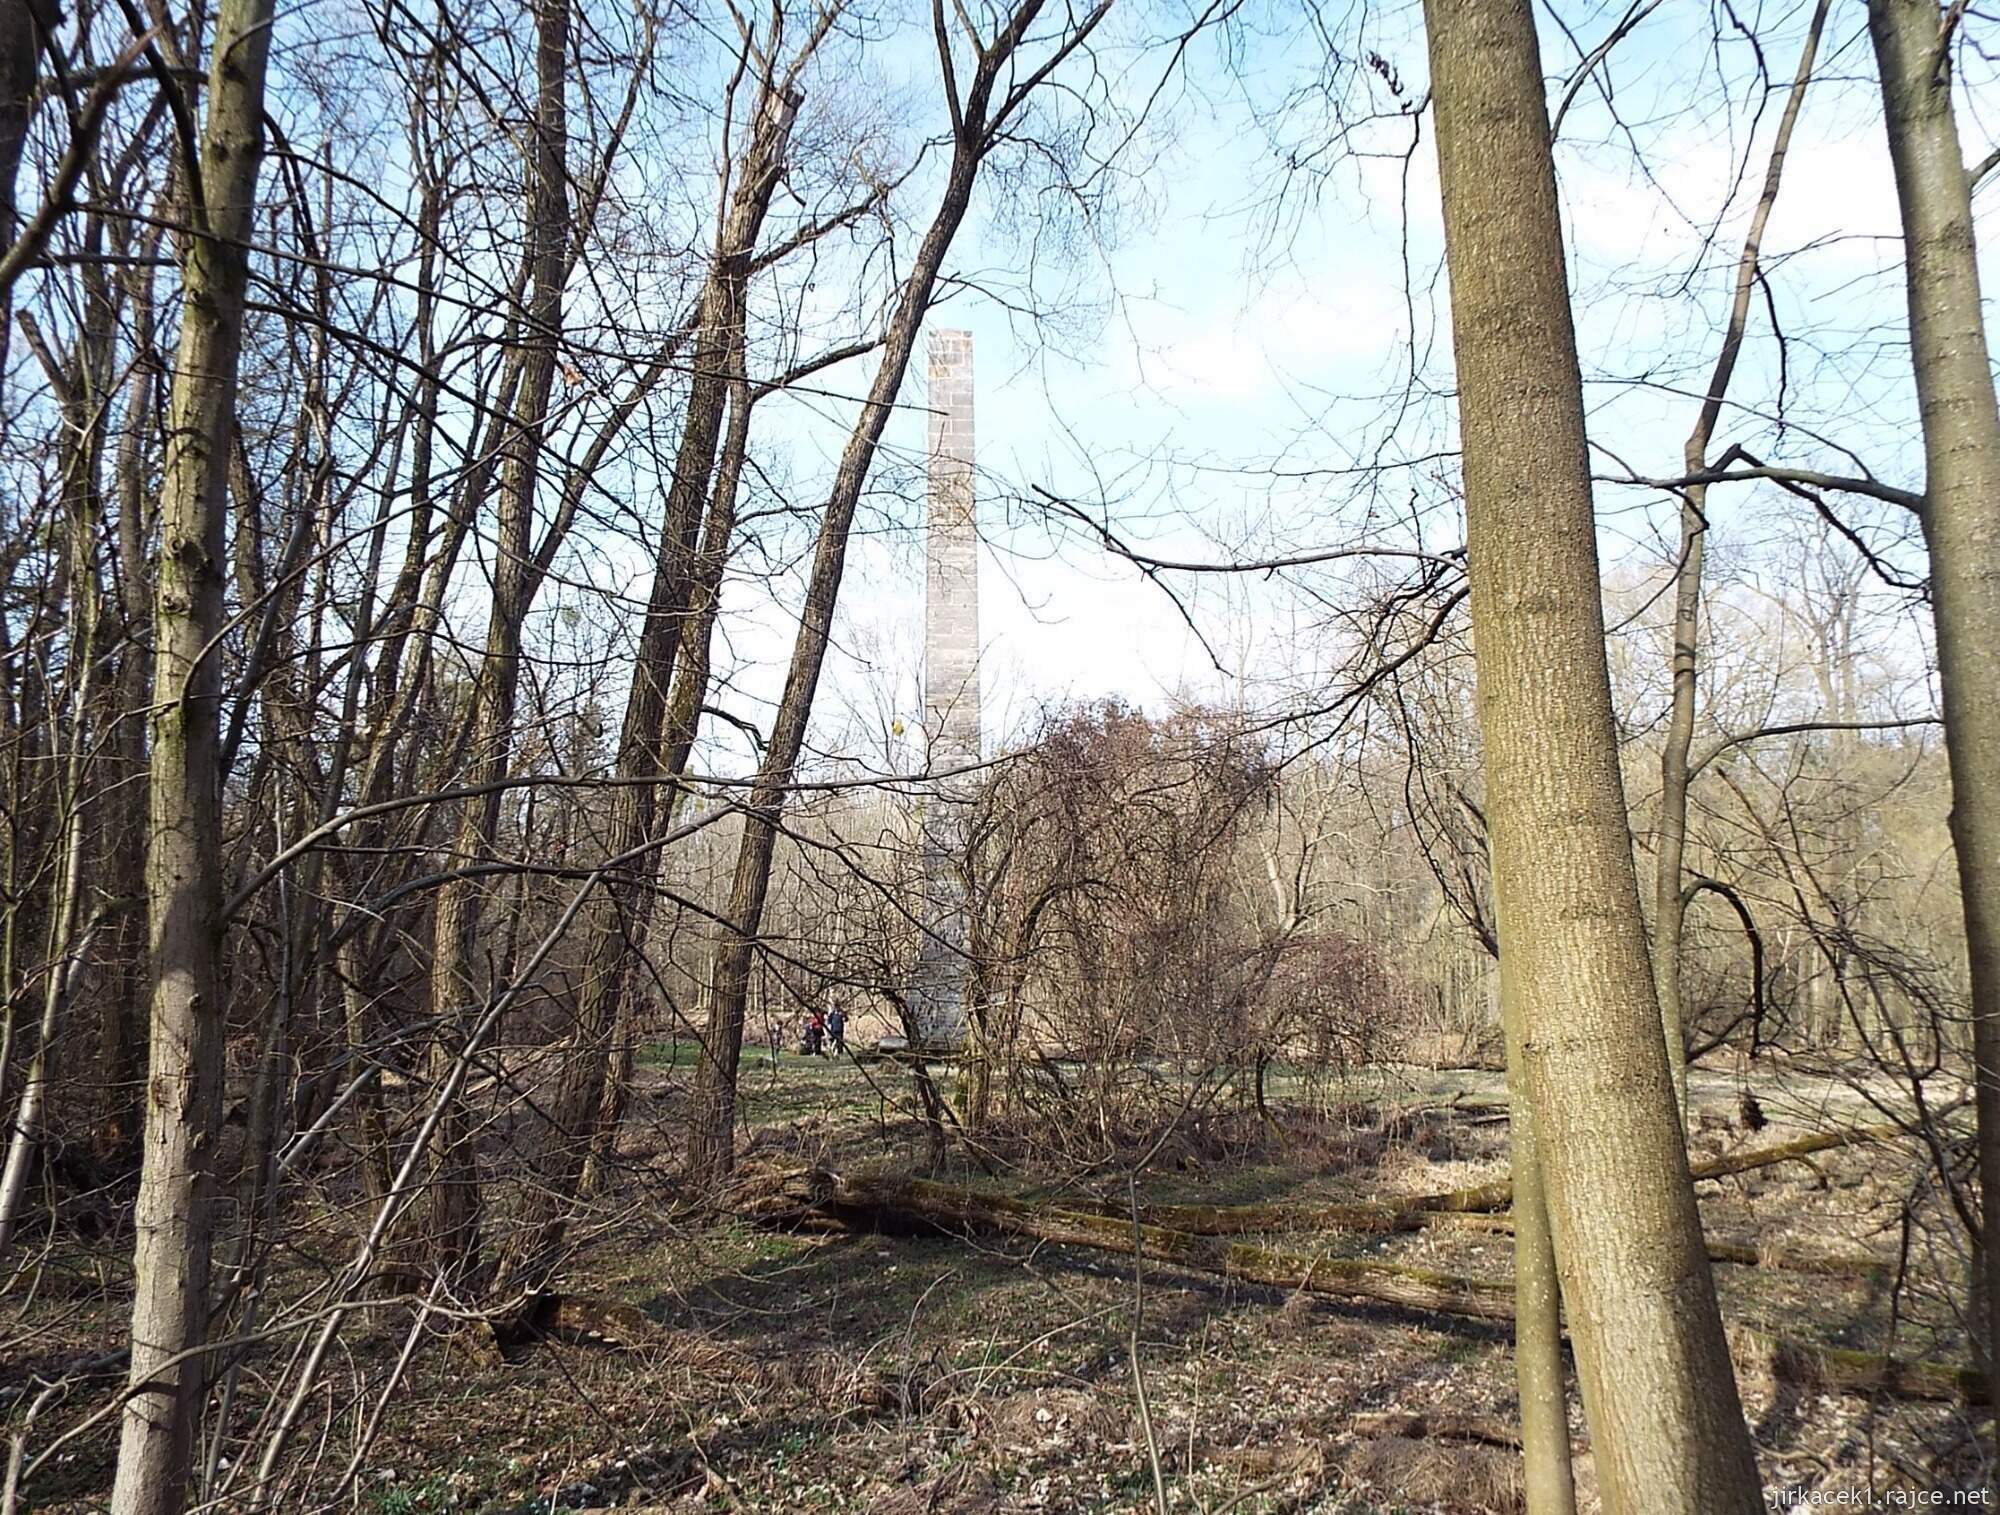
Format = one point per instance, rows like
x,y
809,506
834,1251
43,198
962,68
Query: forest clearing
x,y
787,1360
1021,755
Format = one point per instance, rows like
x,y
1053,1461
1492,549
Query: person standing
x,y
836,1031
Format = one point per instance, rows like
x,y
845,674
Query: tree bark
x,y
1540,1375
1658,1386
1961,424
173,1220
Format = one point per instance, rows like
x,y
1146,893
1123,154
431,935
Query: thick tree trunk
x,y
173,1221
1658,1386
1961,424
1669,901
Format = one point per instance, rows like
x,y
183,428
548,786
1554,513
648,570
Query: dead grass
x,y
998,1374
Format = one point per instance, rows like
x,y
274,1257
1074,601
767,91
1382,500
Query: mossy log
x,y
1352,1278
1864,1373
1249,1220
904,1202
1743,1254
1498,1196
1480,1199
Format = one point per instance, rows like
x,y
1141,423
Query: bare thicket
x,y
457,466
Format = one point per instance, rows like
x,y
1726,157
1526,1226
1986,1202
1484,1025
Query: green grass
x,y
670,1055
433,1493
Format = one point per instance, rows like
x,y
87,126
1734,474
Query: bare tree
x,y
1657,1381
1961,518
174,1219
517,575
647,737
1001,81
1669,904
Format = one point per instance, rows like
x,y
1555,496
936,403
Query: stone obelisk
x,y
951,690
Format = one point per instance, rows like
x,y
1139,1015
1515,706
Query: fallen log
x,y
1430,1425
1413,1213
904,1202
1498,1196
1798,1147
1281,1217
1862,1373
948,1206
1265,1219
1720,1249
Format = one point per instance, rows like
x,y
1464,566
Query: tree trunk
x,y
712,1139
646,735
690,691
1669,903
1540,1375
66,955
453,1191
173,1220
125,805
1961,424
1659,1390
20,49
83,400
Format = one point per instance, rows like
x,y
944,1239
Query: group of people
x,y
822,1033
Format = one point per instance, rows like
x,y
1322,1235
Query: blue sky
x,y
1244,343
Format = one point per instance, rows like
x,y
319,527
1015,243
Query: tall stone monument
x,y
951,690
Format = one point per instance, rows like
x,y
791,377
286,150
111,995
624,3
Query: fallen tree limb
x,y
1797,1147
904,1203
1265,1219
1863,1373
1481,1199
945,1205
1720,1249
1249,1220
1414,1425
1498,1196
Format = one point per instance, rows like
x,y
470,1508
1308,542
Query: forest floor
x,y
930,1375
